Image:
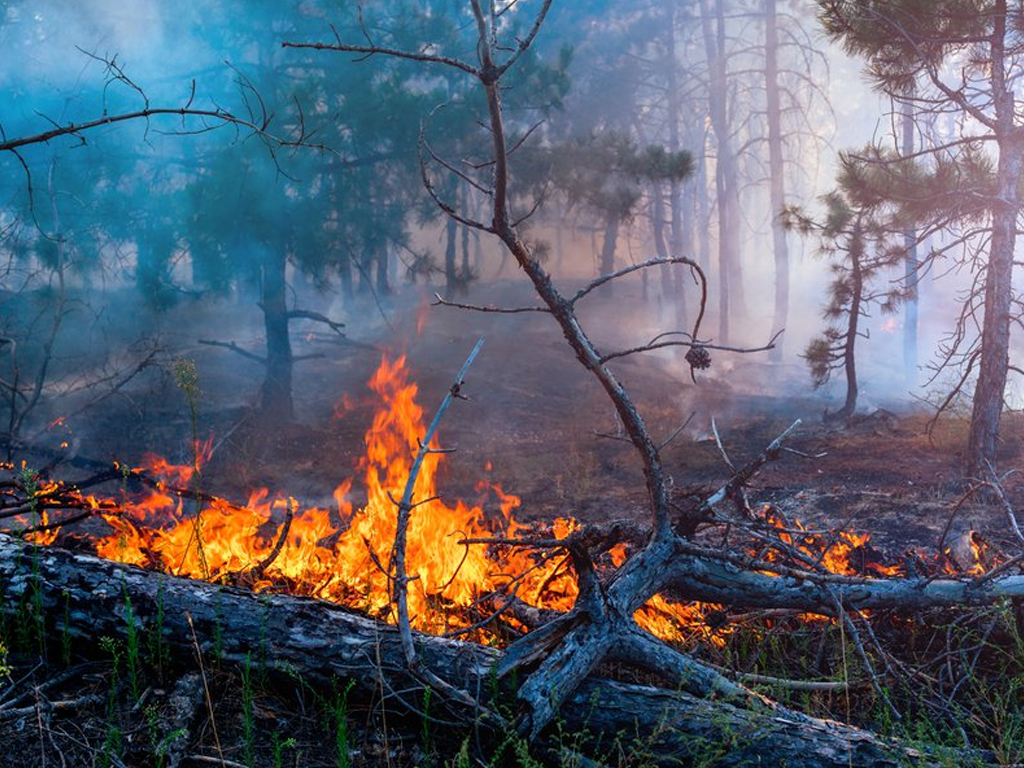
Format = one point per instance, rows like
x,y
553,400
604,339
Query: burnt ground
x,y
550,436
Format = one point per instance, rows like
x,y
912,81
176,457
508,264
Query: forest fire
x,y
342,554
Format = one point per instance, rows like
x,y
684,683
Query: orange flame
x,y
344,554
338,555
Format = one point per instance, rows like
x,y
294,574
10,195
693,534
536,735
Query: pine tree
x,y
955,59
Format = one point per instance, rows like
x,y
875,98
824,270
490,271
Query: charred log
x,y
318,642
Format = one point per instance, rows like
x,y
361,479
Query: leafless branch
x,y
235,348
376,50
442,302
398,576
306,314
688,343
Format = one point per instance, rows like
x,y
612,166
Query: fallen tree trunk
x,y
87,598
712,576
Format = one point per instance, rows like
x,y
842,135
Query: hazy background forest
x,y
649,128
258,239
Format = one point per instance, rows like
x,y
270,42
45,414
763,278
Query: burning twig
x,y
399,578
257,572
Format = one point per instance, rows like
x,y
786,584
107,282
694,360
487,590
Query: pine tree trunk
x,y
852,327
383,280
611,237
911,265
730,284
777,173
450,277
995,336
702,205
276,396
677,204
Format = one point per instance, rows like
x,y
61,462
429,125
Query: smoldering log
x,y
321,642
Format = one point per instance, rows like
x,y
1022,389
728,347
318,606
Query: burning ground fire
x,y
342,554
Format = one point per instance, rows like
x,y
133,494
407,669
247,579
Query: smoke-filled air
x,y
511,383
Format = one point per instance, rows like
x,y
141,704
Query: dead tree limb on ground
x,y
320,643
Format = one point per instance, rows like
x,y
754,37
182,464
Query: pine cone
x,y
698,357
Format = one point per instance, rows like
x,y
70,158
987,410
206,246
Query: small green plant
x,y
248,714
338,713
132,636
278,746
157,744
112,741
461,758
30,482
428,759
5,669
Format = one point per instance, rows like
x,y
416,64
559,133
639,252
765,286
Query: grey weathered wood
x,y
321,642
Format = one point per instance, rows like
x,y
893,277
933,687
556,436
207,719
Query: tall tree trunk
x,y
335,226
702,207
852,326
611,237
276,397
450,277
383,282
910,264
677,246
995,335
345,272
686,199
776,172
464,233
658,230
731,299
365,268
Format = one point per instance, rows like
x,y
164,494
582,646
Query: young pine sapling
x,y
860,243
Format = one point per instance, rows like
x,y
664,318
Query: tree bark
x,y
910,264
383,259
679,207
731,298
776,173
852,332
276,395
611,238
995,335
450,279
318,642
